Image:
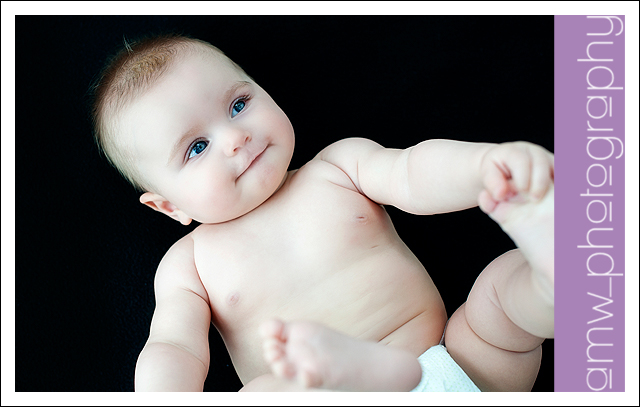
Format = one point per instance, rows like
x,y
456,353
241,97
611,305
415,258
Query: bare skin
x,y
315,356
313,244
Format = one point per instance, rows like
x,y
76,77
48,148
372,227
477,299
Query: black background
x,y
87,250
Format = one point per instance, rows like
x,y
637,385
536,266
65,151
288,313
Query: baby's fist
x,y
519,169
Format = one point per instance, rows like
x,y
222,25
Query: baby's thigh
x,y
489,367
482,353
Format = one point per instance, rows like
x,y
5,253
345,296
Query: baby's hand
x,y
515,171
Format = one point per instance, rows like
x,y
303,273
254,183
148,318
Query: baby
x,y
301,271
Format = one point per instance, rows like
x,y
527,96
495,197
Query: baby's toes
x,y
272,328
283,369
309,377
272,351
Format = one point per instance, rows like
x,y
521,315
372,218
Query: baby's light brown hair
x,y
126,76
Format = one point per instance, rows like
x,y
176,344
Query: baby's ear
x,y
160,204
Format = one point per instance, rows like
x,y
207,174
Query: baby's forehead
x,y
205,75
151,65
151,72
189,66
195,80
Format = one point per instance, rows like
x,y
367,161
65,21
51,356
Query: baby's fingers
x,y
541,173
486,203
518,162
495,179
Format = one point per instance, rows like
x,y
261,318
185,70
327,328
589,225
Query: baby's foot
x,y
317,356
529,223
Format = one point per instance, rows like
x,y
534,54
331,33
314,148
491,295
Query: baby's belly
x,y
384,297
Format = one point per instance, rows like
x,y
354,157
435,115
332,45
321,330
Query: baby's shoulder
x,y
338,162
342,159
178,269
180,254
317,173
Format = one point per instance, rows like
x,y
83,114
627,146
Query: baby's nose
x,y
235,140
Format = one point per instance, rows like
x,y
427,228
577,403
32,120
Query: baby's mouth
x,y
253,159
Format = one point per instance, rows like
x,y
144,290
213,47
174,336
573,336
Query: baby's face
x,y
210,140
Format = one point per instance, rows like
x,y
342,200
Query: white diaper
x,y
441,373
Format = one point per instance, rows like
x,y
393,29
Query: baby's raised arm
x,y
176,355
438,176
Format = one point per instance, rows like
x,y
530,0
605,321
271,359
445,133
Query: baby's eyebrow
x,y
179,145
234,88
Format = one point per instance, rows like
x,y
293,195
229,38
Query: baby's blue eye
x,y
198,148
237,108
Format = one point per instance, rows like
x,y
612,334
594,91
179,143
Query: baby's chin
x,y
257,196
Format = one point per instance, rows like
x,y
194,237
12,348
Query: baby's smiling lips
x,y
251,160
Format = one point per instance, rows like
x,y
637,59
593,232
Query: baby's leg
x,y
529,223
317,356
496,335
495,353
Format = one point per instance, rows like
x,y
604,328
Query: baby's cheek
x,y
218,199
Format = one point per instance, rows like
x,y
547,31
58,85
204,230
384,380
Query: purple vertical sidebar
x,y
589,203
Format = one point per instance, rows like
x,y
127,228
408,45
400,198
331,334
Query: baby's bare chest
x,y
295,240
316,251
293,245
